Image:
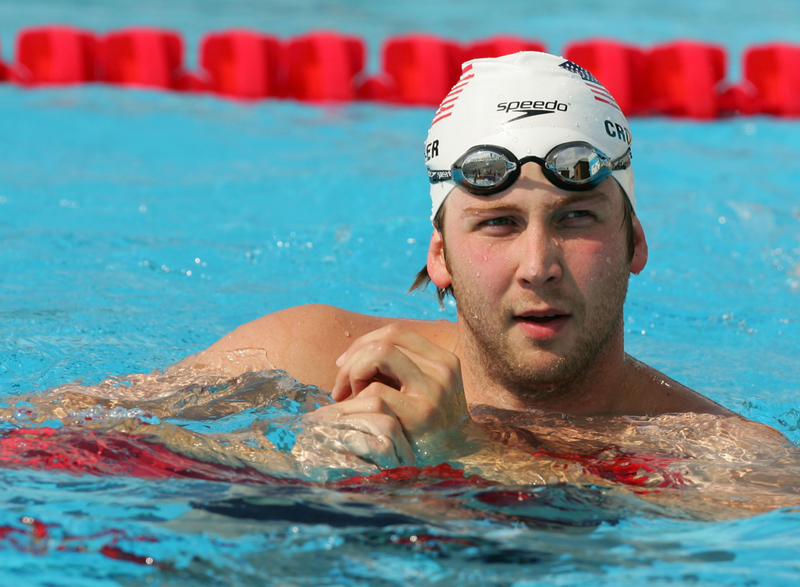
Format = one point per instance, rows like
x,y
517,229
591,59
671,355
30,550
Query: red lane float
x,y
322,66
4,71
738,100
682,77
774,72
55,55
499,46
619,67
145,57
241,64
418,69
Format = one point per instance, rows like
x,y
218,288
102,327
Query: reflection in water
x,y
250,430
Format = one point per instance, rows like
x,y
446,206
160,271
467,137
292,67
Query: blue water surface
x,y
158,222
138,227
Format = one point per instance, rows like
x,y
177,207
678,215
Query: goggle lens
x,y
578,163
485,169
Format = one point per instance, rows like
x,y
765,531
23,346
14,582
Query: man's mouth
x,y
542,324
543,316
542,319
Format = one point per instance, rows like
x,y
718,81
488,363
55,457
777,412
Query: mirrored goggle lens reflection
x,y
486,168
577,164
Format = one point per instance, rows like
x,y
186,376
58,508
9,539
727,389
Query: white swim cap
x,y
527,103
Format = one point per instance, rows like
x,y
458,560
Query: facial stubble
x,y
536,372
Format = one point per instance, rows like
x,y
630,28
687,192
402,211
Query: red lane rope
x,y
679,78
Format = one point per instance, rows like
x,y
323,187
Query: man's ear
x,y
437,266
639,248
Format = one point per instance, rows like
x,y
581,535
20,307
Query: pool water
x,y
139,227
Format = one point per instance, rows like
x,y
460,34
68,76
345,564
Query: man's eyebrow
x,y
590,196
490,208
587,196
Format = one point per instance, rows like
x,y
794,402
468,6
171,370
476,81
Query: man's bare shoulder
x,y
305,341
660,395
652,392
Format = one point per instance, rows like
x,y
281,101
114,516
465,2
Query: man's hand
x,y
404,390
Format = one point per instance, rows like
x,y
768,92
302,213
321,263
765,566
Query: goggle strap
x,y
436,176
623,162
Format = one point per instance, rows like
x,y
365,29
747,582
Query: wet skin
x,y
540,275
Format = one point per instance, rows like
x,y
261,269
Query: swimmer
x,y
535,235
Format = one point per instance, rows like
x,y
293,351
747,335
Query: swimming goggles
x,y
488,169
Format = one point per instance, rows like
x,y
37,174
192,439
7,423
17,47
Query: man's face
x,y
540,277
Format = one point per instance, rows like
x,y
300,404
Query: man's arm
x,y
397,388
304,341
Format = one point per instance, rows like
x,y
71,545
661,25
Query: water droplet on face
x,y
478,274
516,140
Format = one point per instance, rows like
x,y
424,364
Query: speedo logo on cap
x,y
528,108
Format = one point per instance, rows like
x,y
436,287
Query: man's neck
x,y
601,387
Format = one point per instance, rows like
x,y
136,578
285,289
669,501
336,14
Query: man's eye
x,y
578,217
501,221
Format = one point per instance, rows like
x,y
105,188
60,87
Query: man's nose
x,y
540,258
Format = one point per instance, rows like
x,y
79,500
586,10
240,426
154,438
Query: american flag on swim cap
x,y
449,101
600,93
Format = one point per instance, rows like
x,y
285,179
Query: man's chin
x,y
540,369
546,346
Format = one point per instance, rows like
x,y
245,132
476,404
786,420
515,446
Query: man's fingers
x,y
387,371
380,361
414,415
361,418
387,437
418,381
401,337
359,405
375,450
